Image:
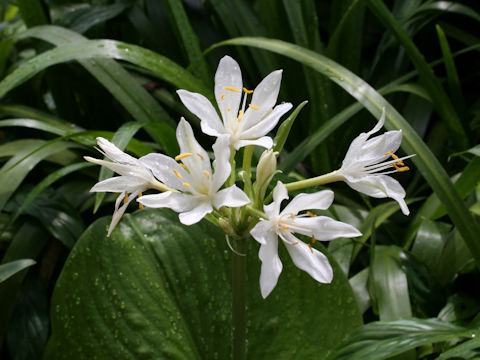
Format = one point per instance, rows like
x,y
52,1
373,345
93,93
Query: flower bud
x,y
267,165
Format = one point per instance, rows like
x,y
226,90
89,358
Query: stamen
x,y
200,156
294,243
311,214
254,107
310,247
207,174
140,205
231,88
402,169
286,227
222,96
186,184
292,215
182,156
389,153
185,167
125,199
228,109
313,239
240,115
394,156
177,174
247,91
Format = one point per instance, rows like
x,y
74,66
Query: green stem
x,y
238,302
247,168
318,180
231,180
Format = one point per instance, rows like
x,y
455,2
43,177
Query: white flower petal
x,y
231,196
223,169
228,75
379,124
380,147
199,161
166,170
204,110
271,265
120,184
320,200
120,210
122,169
263,231
266,124
309,260
280,193
264,97
175,201
114,153
196,214
325,228
265,142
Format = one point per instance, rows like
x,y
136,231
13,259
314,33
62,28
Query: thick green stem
x,y
238,302
247,168
319,180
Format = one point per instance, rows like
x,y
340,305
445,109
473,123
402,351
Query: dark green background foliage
x,y
74,70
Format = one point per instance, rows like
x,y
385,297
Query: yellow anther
x,y
207,174
240,115
286,227
186,184
182,156
311,214
125,199
177,174
292,215
140,205
310,247
222,96
247,91
254,107
395,157
294,243
402,169
389,153
200,156
228,109
313,239
185,167
231,88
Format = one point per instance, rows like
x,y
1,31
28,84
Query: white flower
x,y
198,187
135,178
283,223
243,127
365,166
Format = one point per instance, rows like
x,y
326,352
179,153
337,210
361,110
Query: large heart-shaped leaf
x,y
159,290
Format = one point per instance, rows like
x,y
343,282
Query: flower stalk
x,y
238,300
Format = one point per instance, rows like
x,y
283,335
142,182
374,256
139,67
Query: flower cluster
x,y
196,188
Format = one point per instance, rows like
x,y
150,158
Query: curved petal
x,y
379,186
263,231
227,78
309,260
175,201
166,170
120,184
231,196
265,142
196,214
204,110
264,98
320,200
120,210
325,228
379,124
223,169
267,123
271,265
380,147
280,193
122,169
199,160
114,153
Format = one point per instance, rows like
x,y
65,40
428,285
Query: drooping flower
x,y
134,178
286,222
366,165
198,189
244,126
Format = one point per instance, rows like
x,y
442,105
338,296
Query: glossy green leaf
x,y
158,290
429,242
9,269
285,127
461,350
382,340
425,161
